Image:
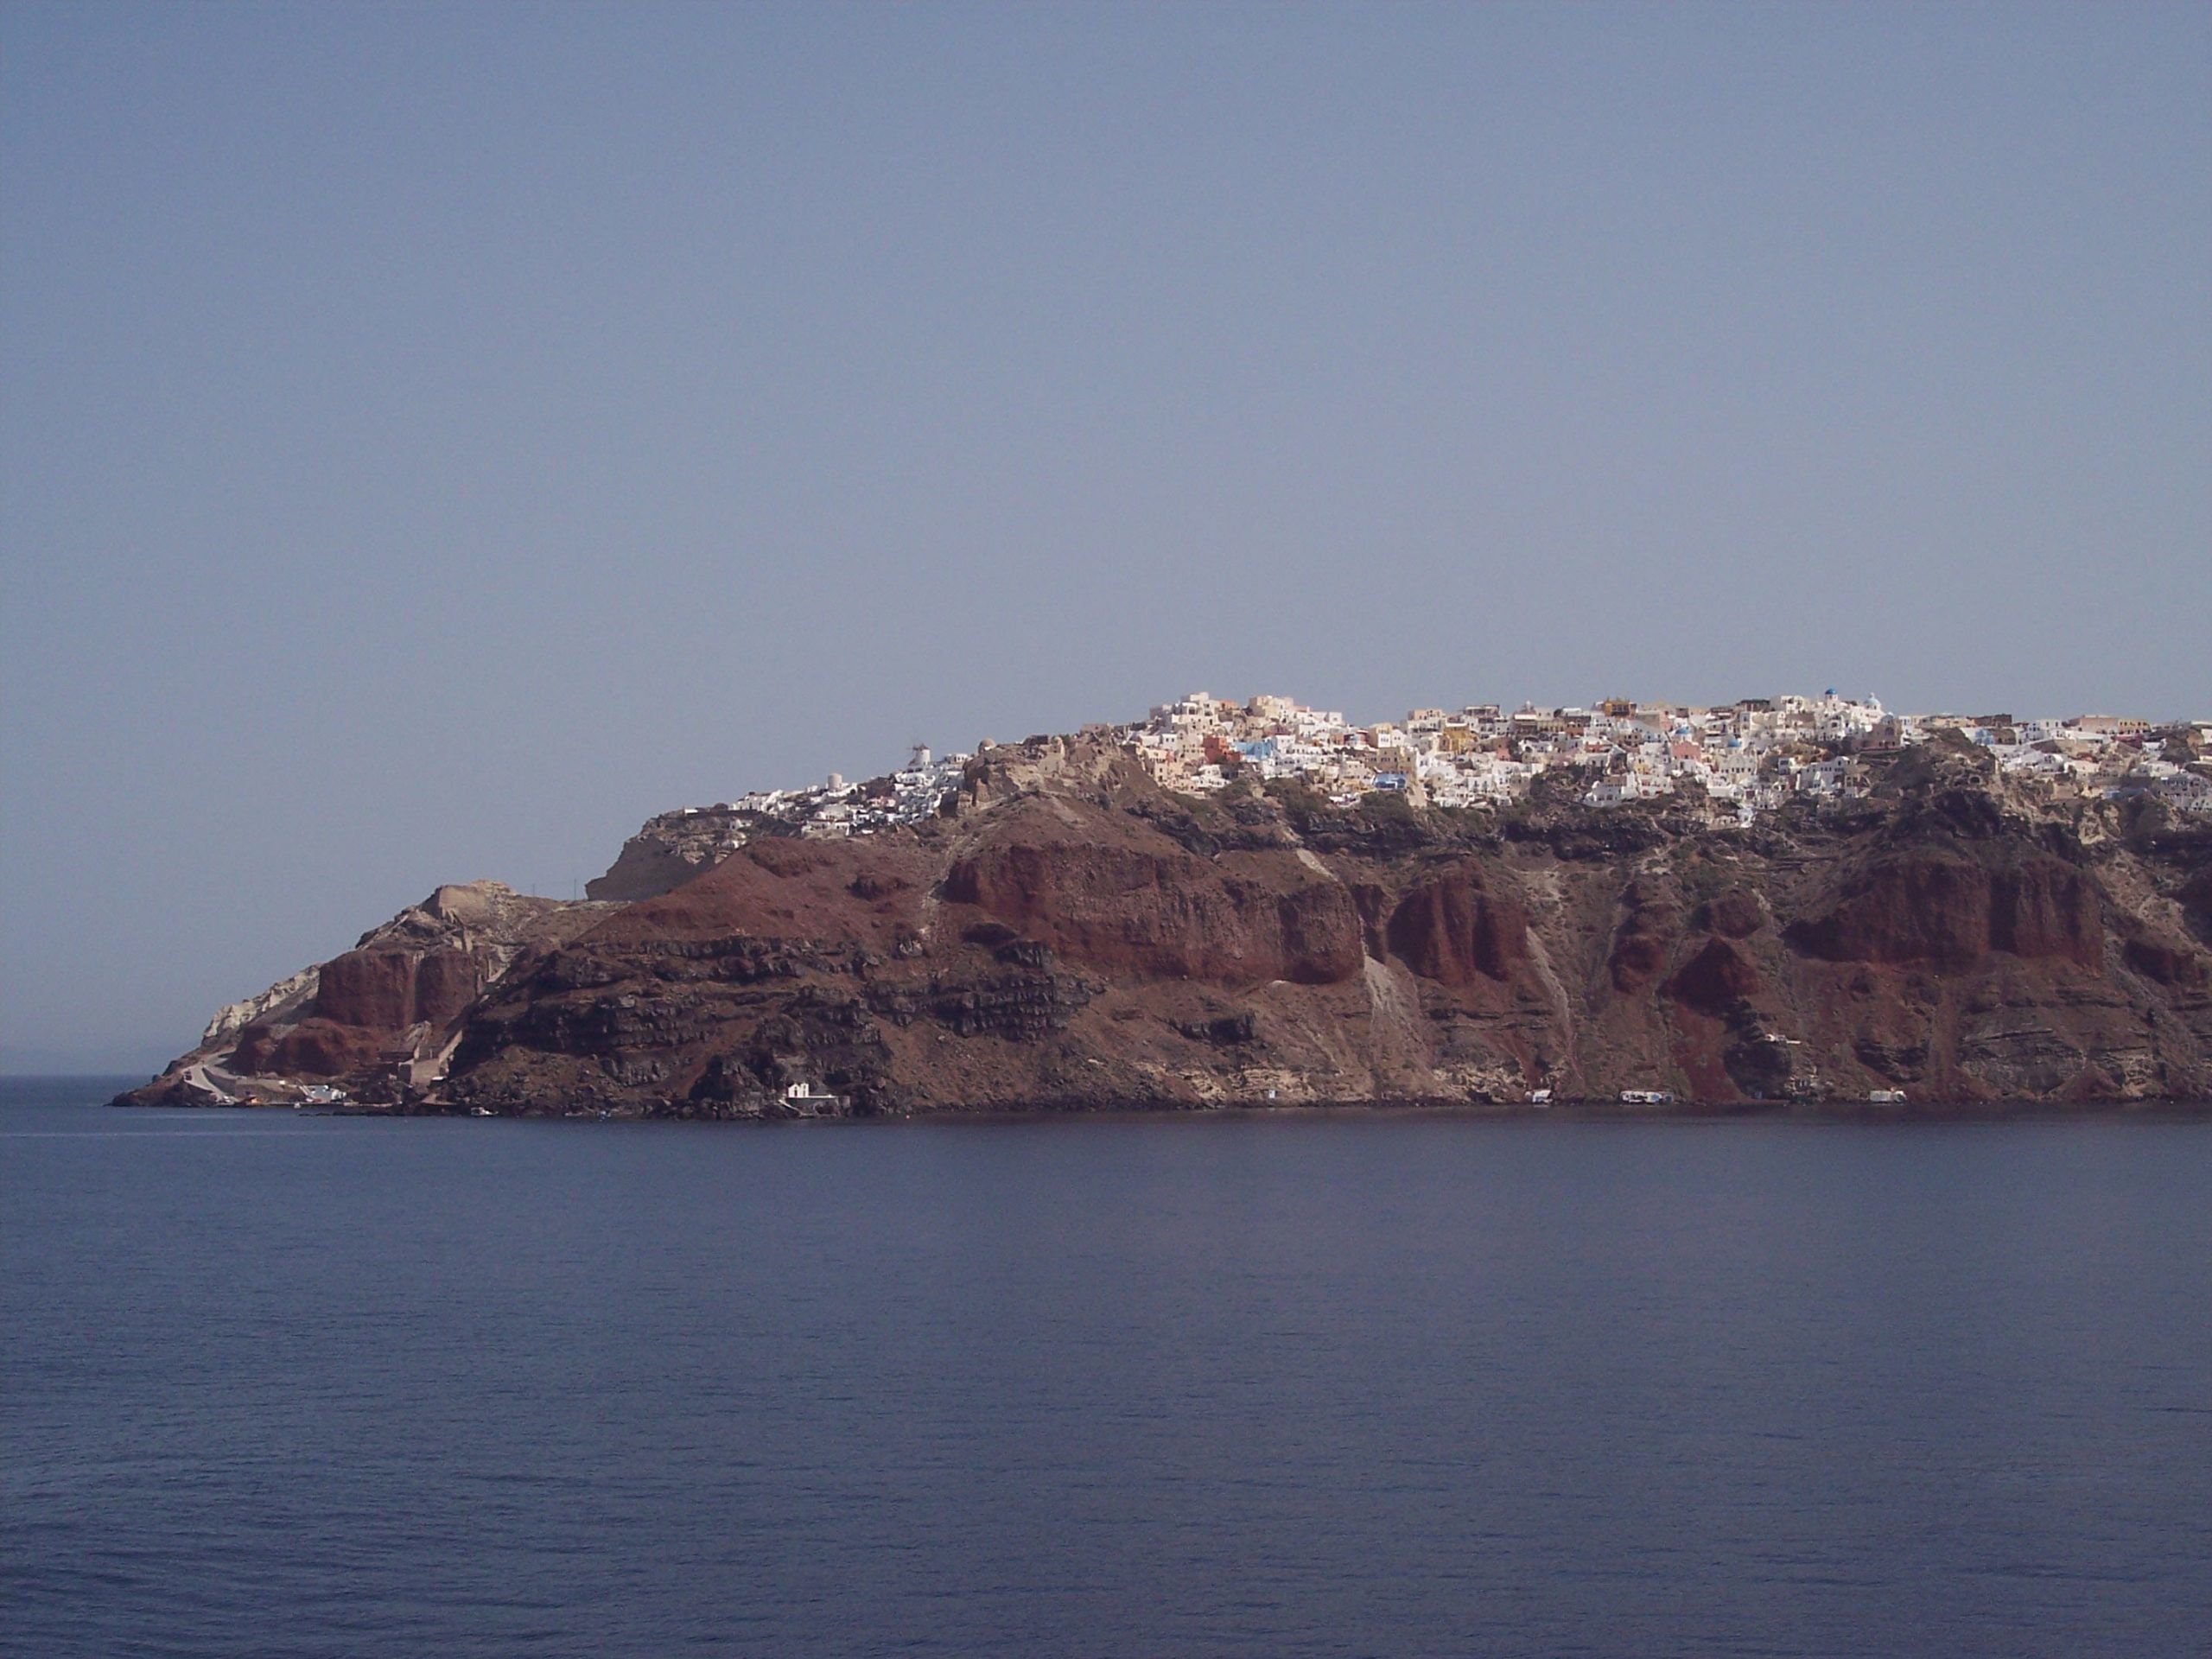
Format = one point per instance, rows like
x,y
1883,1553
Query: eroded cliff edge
x,y
1071,935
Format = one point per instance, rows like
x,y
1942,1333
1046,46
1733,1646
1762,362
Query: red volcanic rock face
x,y
445,982
1319,934
1716,979
1641,942
1454,928
1636,961
368,988
1734,915
2045,909
860,894
390,989
1160,912
2166,963
1951,913
323,1048
367,1002
2197,903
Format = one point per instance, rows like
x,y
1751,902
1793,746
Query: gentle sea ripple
x,y
1316,1385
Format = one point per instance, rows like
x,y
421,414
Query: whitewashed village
x,y
1735,761
1750,757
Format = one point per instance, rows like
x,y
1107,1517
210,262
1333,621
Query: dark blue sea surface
x,y
1332,1384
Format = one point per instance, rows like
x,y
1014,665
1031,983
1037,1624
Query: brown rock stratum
x,y
1074,937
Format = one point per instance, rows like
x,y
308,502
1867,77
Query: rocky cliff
x,y
1073,935
380,1021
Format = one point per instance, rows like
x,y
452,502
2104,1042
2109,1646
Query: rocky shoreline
x,y
2145,1109
1067,935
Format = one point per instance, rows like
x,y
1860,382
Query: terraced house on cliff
x,y
1735,762
1749,757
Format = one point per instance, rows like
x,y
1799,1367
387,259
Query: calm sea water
x,y
1342,1385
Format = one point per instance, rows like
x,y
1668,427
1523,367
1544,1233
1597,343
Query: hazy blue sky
x,y
436,438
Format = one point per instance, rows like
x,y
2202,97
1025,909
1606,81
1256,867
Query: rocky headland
x,y
1065,933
